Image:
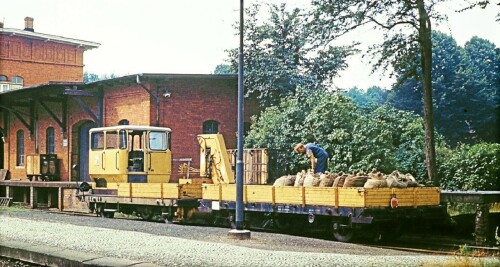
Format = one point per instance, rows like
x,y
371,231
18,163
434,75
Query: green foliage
x,y
474,167
374,96
466,83
223,69
92,77
281,55
382,138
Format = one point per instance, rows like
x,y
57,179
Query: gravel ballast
x,y
178,245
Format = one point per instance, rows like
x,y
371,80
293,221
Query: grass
x,y
14,207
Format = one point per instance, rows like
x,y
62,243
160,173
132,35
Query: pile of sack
x,y
374,179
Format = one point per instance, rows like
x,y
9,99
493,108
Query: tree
x,y
465,88
90,77
407,25
356,140
482,81
281,55
374,96
223,69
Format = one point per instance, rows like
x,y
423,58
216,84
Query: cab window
x,y
122,135
157,140
97,140
111,140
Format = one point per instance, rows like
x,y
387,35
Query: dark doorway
x,y
2,137
83,150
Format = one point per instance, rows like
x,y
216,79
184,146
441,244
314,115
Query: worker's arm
x,y
313,162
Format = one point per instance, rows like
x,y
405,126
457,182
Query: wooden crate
x,y
259,194
33,164
321,196
289,195
211,192
255,164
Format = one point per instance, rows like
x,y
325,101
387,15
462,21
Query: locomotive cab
x,y
130,154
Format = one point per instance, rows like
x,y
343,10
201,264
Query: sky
x,y
192,36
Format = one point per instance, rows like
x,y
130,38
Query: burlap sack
x,y
285,181
299,179
373,173
326,180
394,182
355,181
375,183
339,181
311,180
411,183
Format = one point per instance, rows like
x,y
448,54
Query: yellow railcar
x,y
130,154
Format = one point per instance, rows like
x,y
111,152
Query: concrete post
x,y
482,224
60,195
9,191
26,198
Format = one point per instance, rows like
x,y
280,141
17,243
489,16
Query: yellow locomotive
x,y
130,154
131,167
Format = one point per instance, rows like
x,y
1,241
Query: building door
x,y
83,154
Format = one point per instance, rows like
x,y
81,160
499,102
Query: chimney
x,y
28,24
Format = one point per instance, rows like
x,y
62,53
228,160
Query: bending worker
x,y
319,157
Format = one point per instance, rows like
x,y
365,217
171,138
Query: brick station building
x,y
45,108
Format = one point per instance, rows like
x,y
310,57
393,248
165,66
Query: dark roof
x,y
60,86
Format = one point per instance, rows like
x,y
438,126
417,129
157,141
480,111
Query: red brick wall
x,y
129,102
39,62
192,102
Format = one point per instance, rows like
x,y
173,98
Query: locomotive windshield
x,y
158,141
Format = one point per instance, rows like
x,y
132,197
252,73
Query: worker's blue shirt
x,y
320,155
316,151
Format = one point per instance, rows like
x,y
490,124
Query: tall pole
x,y
239,157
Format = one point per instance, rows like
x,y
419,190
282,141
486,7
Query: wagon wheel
x,y
147,214
104,214
108,214
342,233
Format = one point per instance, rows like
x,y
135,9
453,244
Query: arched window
x,y
20,148
4,85
210,127
124,122
17,80
16,83
50,141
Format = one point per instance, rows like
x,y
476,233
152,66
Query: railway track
x,y
435,245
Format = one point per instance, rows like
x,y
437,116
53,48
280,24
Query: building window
x,y
4,85
124,122
210,127
20,148
50,141
17,82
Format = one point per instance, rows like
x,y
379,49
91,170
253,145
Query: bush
x,y
468,167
